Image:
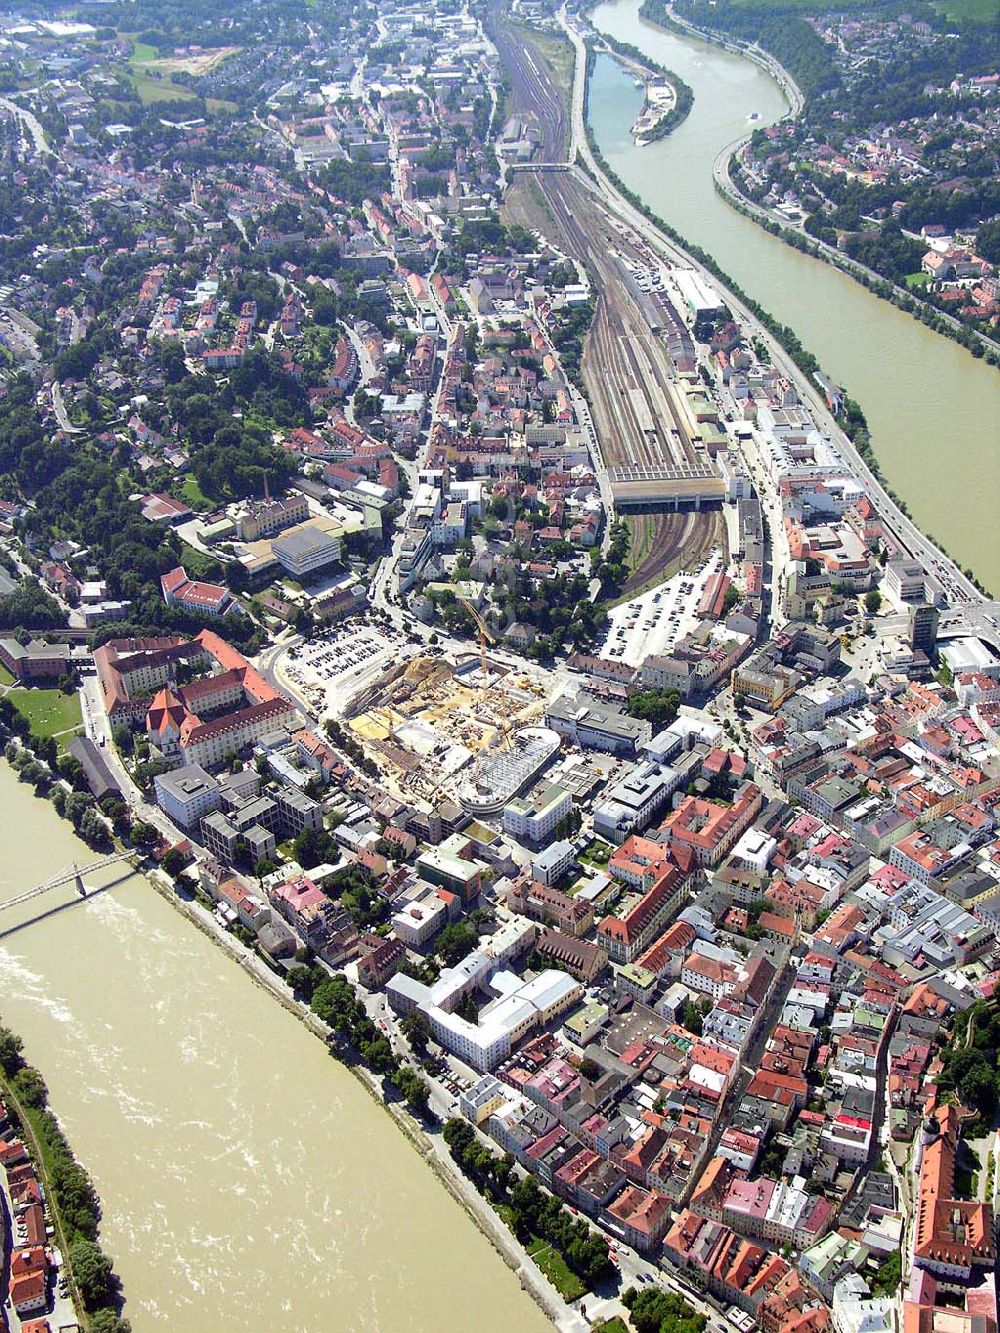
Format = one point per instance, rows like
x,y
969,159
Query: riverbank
x,y
663,15
937,321
683,98
976,343
429,1147
851,430
93,1288
220,1134
931,409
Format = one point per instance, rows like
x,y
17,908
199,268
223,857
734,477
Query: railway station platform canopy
x,y
641,486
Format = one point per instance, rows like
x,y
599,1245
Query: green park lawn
x,y
598,854
49,712
192,493
153,90
553,1265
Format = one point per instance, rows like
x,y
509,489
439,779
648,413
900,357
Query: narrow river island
x,y
247,1180
933,410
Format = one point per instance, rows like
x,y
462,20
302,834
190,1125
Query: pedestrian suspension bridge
x,y
74,876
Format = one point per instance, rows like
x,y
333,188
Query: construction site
x,y
437,726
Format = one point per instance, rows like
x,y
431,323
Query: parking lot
x,y
332,669
653,623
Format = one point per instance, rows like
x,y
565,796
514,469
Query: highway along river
x,y
248,1180
933,410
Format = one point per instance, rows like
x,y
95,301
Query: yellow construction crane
x,y
486,636
508,725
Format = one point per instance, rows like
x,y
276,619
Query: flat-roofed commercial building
x,y
304,549
534,819
416,923
444,866
905,581
629,806
186,794
223,839
593,725
549,866
521,1007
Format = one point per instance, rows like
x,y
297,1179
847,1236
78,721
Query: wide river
x,y
934,411
248,1180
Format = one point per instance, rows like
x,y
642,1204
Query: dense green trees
x,y
314,847
455,942
970,1060
302,980
144,835
254,283
474,1157
778,28
656,706
988,241
336,1002
691,1018
613,569
173,862
887,251
355,181
887,1279
230,460
490,234
559,608
417,1030
414,1089
107,1321
93,1272
74,1196
29,606
569,330
653,1310
532,1212
358,894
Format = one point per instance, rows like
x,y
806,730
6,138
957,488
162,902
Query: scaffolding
x,y
500,775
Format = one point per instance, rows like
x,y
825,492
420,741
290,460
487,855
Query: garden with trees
x,y
970,1072
572,1255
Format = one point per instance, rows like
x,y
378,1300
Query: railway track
x,y
631,365
611,366
614,369
534,96
678,540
